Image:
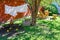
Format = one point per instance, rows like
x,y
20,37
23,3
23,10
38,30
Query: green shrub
x,y
52,9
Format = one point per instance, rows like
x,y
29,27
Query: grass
x,y
44,30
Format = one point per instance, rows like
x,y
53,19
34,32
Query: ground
x,y
44,30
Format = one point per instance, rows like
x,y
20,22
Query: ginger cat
x,y
43,15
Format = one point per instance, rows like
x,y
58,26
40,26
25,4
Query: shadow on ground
x,y
10,30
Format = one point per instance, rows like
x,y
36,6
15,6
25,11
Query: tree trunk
x,y
34,5
34,13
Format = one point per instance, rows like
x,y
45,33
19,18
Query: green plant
x,y
52,9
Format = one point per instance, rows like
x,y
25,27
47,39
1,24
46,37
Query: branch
x,y
29,4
